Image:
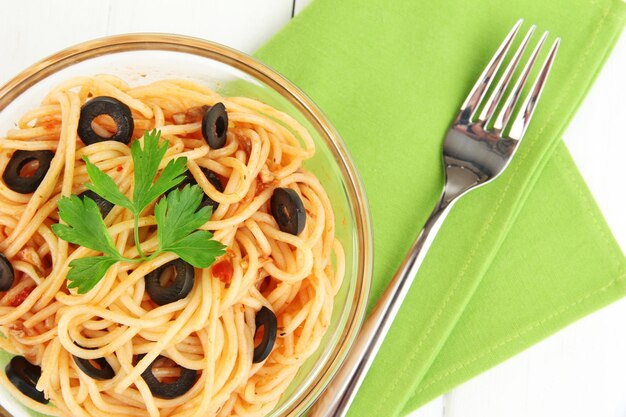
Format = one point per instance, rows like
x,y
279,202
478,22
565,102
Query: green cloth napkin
x,y
516,260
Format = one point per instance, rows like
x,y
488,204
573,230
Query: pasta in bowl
x,y
176,244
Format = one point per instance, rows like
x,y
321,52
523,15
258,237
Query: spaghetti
x,y
211,331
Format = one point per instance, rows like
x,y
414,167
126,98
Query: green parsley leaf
x,y
177,216
172,175
85,226
105,187
198,248
85,273
147,160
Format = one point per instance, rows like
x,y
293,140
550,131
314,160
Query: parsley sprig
x,y
178,215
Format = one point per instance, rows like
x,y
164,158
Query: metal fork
x,y
474,153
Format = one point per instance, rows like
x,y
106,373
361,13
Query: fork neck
x,y
473,156
458,181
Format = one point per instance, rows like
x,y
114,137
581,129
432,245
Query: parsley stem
x,y
133,260
154,255
141,255
141,259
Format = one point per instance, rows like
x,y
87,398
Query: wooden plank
x,y
435,408
34,29
579,372
596,139
241,24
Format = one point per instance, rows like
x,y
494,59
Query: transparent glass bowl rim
x,y
303,398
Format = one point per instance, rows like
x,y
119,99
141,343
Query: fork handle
x,y
340,393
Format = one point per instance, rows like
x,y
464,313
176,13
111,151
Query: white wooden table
x,y
562,376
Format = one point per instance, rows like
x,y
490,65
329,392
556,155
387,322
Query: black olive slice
x,y
101,372
24,375
267,319
104,205
213,179
7,275
118,111
168,390
22,184
215,126
288,210
178,289
188,180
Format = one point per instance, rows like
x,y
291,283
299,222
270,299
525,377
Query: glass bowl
x,y
143,58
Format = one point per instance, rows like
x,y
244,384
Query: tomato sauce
x,y
20,297
223,270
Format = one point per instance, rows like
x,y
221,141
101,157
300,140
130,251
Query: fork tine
x,y
507,111
497,94
484,81
523,118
